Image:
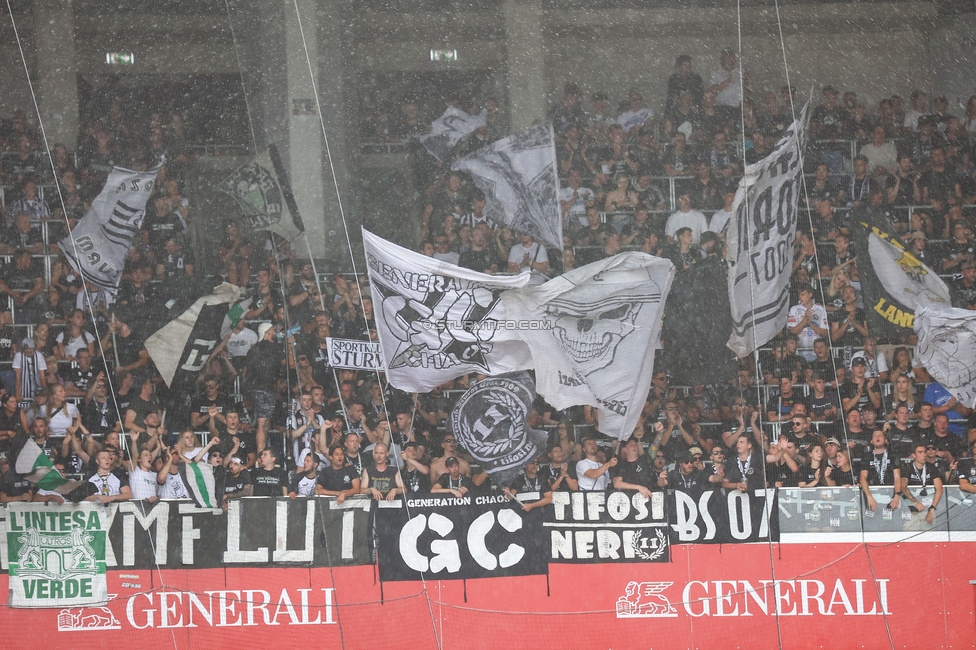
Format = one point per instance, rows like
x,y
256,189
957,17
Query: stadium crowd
x,y
828,402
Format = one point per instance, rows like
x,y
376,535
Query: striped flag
x,y
33,461
97,246
201,484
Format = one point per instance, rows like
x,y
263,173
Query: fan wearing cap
x,y
237,481
859,391
338,479
452,480
963,288
414,475
685,477
531,481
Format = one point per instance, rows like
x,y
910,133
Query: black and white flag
x,y
760,241
490,422
449,129
262,190
947,349
589,334
894,282
96,248
519,178
182,347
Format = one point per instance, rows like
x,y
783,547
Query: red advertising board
x,y
911,595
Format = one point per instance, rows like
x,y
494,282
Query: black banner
x,y
199,345
612,526
716,518
255,531
444,537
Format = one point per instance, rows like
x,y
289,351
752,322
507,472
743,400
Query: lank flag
x,y
96,247
520,181
263,192
589,334
449,129
182,347
947,348
760,241
894,282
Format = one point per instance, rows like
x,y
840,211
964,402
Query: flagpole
x,y
345,416
311,260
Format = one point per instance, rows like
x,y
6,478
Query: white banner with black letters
x,y
351,353
760,241
612,526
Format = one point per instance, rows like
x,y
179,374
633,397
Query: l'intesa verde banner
x,y
57,556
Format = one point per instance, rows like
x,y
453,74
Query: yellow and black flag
x,y
894,282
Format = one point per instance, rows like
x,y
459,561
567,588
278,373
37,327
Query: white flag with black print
x,y
760,241
96,248
263,192
449,129
947,349
520,181
588,334
183,346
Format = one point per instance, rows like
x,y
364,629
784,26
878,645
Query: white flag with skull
x,y
589,334
947,349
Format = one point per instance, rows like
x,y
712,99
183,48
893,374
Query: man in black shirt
x,y
381,480
339,479
922,475
237,482
560,473
480,257
634,472
414,475
211,396
686,478
822,365
261,370
530,481
966,471
269,480
744,472
859,391
880,468
948,445
453,480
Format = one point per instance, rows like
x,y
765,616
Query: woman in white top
x,y
190,448
75,337
142,480
59,413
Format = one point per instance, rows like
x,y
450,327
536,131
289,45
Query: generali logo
x,y
219,608
854,597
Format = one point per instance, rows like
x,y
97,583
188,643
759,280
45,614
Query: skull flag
x,y
491,422
589,334
947,348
